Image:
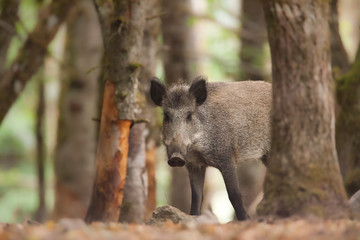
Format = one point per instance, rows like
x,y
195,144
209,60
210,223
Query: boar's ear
x,y
198,89
157,91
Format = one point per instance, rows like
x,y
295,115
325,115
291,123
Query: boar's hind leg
x,y
232,188
197,176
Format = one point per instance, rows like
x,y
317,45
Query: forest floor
x,y
278,229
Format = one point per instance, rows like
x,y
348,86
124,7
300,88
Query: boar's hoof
x,y
176,162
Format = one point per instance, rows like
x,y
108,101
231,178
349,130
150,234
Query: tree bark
x,y
122,28
8,18
176,66
111,161
134,203
252,44
40,213
303,174
74,165
348,127
31,55
150,49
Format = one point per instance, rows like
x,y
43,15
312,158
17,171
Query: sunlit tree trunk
x,y
303,174
175,32
122,27
76,142
253,39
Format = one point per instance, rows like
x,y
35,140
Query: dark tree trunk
x,y
40,213
339,58
31,55
252,55
8,17
175,32
122,28
348,126
303,174
75,165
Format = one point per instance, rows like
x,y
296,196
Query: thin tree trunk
x,y
76,143
150,56
303,174
8,17
348,127
122,28
339,58
40,213
252,55
31,55
175,32
151,173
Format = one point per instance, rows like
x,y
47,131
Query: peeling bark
x,y
303,174
134,203
111,161
122,27
31,55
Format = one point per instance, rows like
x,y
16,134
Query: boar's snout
x,y
176,160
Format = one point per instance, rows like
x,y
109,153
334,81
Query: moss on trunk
x,y
348,127
303,175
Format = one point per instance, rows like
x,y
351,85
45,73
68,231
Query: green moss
x,y
135,65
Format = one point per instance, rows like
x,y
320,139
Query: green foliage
x,y
27,20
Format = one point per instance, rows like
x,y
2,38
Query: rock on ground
x,y
169,213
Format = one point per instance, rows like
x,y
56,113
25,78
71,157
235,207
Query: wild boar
x,y
220,124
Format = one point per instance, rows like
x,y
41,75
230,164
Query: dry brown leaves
x,y
280,229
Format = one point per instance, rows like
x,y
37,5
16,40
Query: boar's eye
x,y
189,117
166,117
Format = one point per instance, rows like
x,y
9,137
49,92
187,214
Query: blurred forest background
x,y
225,40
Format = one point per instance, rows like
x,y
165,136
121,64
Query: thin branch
x,y
31,55
8,18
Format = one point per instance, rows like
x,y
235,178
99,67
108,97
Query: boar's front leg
x,y
197,176
232,187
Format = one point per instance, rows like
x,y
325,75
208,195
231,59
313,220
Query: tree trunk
x,y
8,17
150,50
31,55
175,33
348,126
40,213
122,28
303,175
75,165
339,58
135,195
111,161
252,55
